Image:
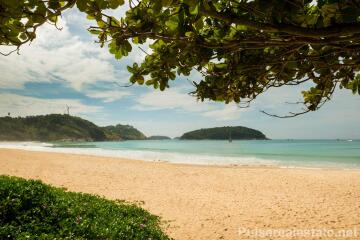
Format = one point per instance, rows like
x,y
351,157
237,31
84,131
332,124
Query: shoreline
x,y
216,165
204,202
34,146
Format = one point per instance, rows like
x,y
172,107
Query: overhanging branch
x,y
332,31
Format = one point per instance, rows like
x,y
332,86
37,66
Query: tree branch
x,y
335,30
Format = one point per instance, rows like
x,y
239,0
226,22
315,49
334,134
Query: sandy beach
x,y
206,202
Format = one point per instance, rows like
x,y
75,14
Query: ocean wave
x,y
25,145
171,157
178,157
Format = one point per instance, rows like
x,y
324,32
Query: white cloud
x,y
18,105
173,98
178,99
227,112
78,20
58,56
108,96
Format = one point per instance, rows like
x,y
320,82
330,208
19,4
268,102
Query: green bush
x,y
30,209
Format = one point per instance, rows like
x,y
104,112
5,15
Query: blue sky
x,y
68,68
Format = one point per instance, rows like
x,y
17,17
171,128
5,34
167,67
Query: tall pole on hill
x,y
67,110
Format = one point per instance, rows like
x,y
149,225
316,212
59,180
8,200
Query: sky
x,y
67,68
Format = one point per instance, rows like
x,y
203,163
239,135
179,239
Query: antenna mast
x,y
67,110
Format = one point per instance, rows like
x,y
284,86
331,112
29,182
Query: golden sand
x,y
206,202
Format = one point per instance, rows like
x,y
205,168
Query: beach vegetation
x,y
30,209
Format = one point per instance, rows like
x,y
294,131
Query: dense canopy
x,y
242,48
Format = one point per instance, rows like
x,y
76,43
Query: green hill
x,y
123,132
53,127
224,133
58,127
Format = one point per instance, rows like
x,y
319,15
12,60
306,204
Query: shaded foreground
x,y
204,202
33,210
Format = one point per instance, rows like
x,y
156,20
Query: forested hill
x,y
224,133
123,132
58,127
49,128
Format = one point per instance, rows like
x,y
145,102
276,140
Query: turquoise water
x,y
297,153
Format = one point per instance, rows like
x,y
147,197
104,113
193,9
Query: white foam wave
x,y
174,157
25,145
171,157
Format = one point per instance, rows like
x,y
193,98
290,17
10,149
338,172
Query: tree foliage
x,y
242,48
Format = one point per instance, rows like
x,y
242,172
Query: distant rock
x,y
158,138
225,133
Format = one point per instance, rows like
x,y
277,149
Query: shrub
x,y
30,209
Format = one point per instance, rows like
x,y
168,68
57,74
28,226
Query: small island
x,y
158,138
224,133
123,132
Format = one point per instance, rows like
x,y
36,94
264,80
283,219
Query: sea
x,y
338,153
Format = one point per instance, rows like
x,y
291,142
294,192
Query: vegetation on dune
x,y
241,48
32,210
123,132
224,133
57,127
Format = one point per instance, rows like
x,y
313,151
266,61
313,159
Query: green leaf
x,y
101,24
23,36
115,3
82,5
149,82
95,31
172,23
166,3
118,55
140,80
54,4
194,9
135,40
